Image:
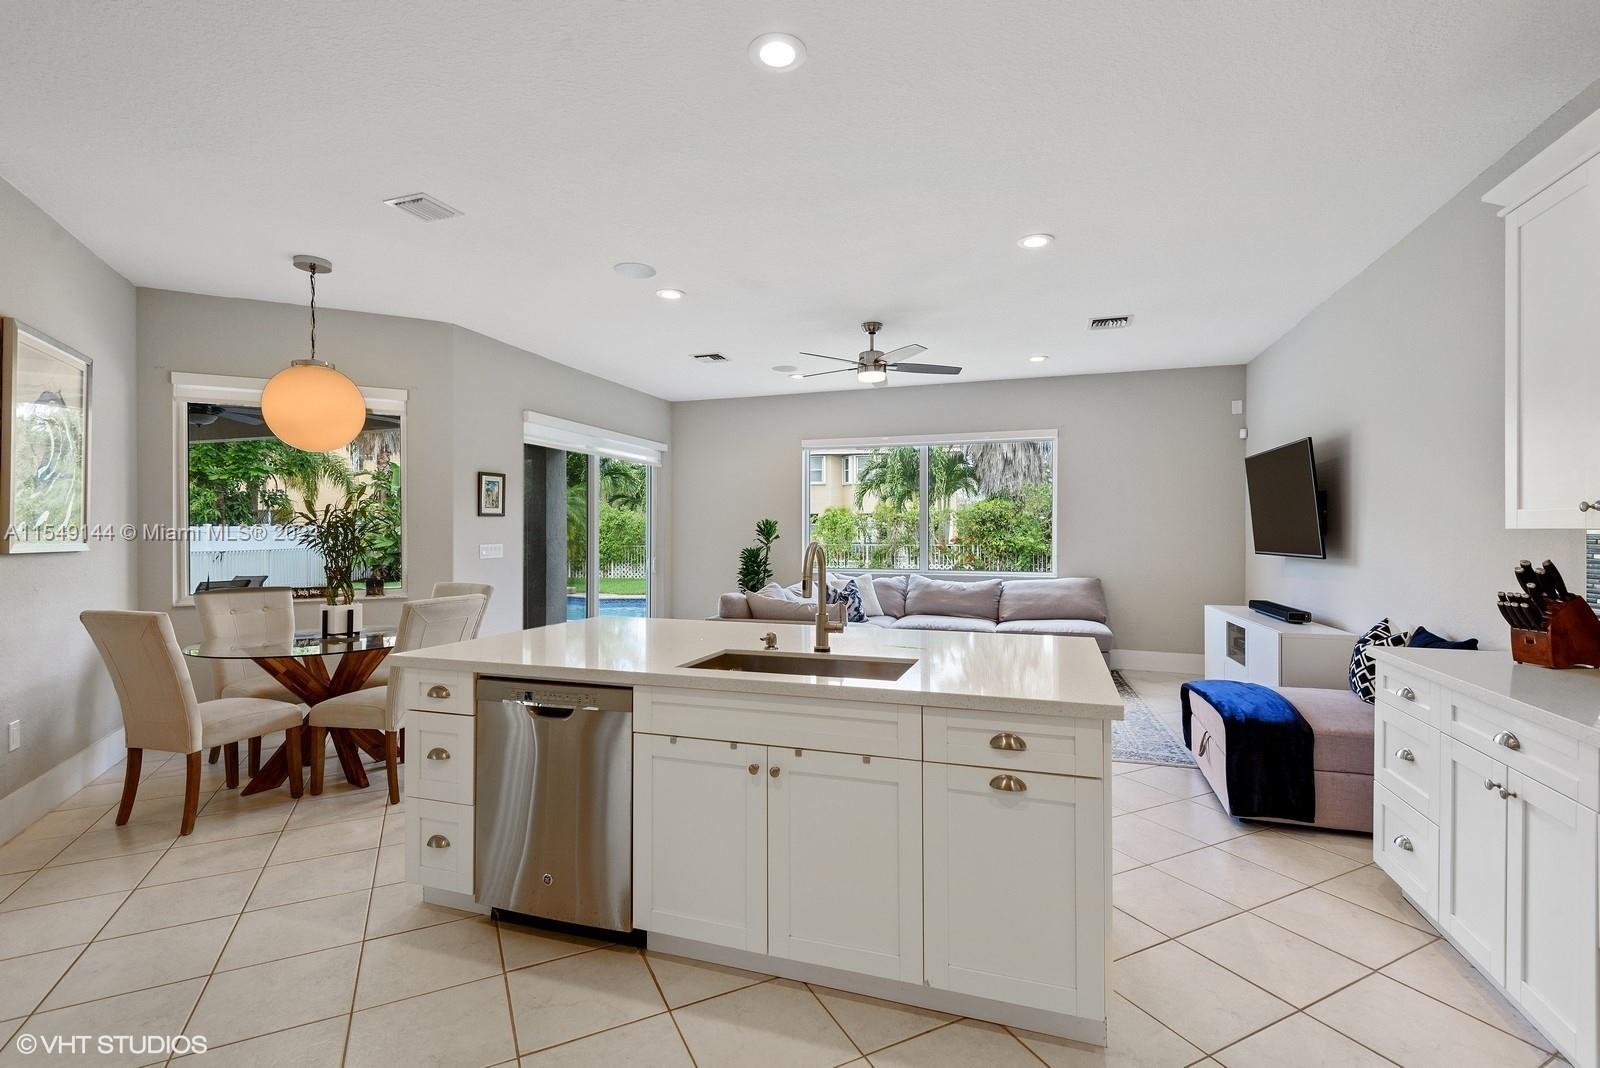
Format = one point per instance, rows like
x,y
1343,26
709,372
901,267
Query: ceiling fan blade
x,y
820,356
925,368
904,352
819,374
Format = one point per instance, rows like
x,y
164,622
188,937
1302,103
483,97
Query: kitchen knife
x,y
1528,579
1504,604
1553,580
1529,607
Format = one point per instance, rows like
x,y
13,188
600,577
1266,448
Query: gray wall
x,y
1399,379
467,393
50,676
1151,490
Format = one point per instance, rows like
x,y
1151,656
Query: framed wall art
x,y
44,442
491,493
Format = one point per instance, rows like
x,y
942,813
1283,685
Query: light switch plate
x,y
1243,433
14,736
1238,407
491,552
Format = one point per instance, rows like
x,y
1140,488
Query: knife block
x,y
1571,638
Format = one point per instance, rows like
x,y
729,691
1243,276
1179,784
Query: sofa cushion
x,y
941,597
1342,723
766,606
1070,628
958,623
733,606
1057,598
891,591
870,605
886,622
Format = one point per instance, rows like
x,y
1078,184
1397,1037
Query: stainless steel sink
x,y
831,665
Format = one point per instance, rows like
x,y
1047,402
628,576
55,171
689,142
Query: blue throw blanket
x,y
1269,747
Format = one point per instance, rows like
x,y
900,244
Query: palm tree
x,y
892,476
1005,468
622,485
949,473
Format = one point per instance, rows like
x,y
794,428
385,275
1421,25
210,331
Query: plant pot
x,y
374,586
341,619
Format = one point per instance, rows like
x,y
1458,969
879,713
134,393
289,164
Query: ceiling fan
x,y
873,367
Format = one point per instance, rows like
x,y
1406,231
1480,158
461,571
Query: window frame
x,y
189,388
924,442
852,468
816,475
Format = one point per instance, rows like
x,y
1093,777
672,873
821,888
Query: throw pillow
x,y
1423,638
849,594
870,605
763,606
1363,672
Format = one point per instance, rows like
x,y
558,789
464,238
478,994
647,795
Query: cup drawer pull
x,y
1407,694
1008,784
438,754
1011,743
1404,753
439,693
1403,842
438,841
1507,739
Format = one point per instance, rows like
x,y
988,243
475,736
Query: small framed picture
x,y
491,493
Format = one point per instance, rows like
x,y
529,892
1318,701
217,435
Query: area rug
x,y
1140,737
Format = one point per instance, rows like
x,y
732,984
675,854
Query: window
x,y
242,492
819,468
978,504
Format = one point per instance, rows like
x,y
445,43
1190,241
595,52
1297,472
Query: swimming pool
x,y
632,607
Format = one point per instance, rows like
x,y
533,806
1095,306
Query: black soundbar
x,y
1281,611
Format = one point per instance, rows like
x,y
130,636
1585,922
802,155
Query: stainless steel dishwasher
x,y
555,801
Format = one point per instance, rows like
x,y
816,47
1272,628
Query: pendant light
x,y
309,404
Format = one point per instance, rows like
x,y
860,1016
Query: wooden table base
x,y
309,680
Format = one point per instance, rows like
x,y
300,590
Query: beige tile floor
x,y
284,932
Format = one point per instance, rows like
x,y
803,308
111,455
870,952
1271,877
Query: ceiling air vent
x,y
423,207
1114,322
710,357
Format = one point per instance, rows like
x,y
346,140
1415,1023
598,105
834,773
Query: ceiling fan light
x,y
871,375
311,406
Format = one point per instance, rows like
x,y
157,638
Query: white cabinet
x,y
1246,646
1552,264
1550,913
1016,887
700,840
844,862
1472,857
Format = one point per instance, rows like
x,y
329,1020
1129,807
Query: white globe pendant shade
x,y
313,407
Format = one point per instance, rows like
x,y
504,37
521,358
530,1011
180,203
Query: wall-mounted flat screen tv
x,y
1287,510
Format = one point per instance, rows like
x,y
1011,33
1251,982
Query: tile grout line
x,y
848,1037
654,978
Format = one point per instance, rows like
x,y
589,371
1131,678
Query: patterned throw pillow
x,y
850,594
1363,672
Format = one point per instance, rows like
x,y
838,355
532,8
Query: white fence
x,y
217,554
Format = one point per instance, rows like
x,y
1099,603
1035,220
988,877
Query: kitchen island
x,y
915,815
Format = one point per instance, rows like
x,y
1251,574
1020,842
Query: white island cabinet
x,y
940,839
1487,789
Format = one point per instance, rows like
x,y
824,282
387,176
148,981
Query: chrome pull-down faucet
x,y
817,560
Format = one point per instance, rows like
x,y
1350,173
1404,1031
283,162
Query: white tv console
x,y
1247,646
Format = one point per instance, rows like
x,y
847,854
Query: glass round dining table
x,y
300,666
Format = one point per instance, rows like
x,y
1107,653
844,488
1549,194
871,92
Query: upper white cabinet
x,y
1552,212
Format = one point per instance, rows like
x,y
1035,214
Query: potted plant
x,y
755,561
341,534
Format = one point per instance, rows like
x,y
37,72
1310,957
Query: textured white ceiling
x,y
1213,167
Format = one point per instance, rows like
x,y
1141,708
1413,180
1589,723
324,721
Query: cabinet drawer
x,y
1012,740
1560,762
864,727
1406,757
1410,691
439,845
427,690
1407,847
442,755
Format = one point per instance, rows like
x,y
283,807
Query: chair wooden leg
x,y
391,761
130,785
191,793
216,753
291,748
230,774
317,754
254,760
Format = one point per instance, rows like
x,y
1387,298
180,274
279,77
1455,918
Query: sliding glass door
x,y
607,536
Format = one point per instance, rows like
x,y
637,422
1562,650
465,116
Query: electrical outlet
x,y
1243,433
14,736
491,552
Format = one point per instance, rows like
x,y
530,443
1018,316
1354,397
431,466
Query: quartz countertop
x,y
1565,700
1035,674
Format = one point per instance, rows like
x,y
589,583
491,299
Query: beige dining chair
x,y
159,710
423,624
380,677
246,616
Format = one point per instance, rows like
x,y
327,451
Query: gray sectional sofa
x,y
1074,607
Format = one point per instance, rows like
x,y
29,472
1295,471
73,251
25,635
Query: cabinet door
x,y
1552,376
1016,887
844,855
1550,935
700,840
1472,857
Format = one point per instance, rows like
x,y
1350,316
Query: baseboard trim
x,y
1191,664
28,802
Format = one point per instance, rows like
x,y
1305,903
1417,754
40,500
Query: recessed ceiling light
x,y
634,270
777,51
1036,240
1040,358
670,294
